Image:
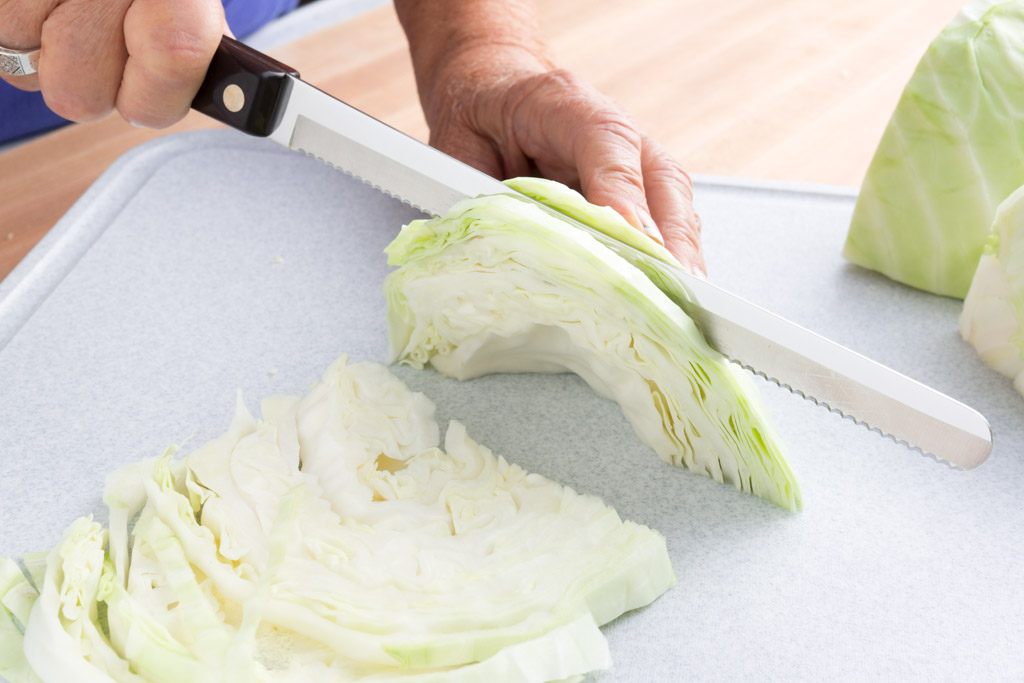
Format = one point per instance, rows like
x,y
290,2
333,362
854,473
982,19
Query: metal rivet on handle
x,y
234,98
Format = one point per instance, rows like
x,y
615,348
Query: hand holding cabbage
x,y
494,99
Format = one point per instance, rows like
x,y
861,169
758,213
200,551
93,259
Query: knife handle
x,y
245,88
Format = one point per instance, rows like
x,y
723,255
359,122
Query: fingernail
x,y
648,226
653,232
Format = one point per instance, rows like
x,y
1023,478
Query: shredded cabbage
x,y
992,320
953,150
332,540
501,285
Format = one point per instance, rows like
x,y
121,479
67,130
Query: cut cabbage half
x,y
333,540
992,320
501,285
953,150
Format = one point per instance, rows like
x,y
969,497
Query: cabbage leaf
x,y
992,320
952,151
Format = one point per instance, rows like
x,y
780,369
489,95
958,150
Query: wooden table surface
x,y
784,89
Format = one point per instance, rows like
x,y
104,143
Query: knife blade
x,y
258,95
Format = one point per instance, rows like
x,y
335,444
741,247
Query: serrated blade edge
x,y
843,381
850,417
385,158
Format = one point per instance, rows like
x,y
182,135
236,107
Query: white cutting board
x,y
135,320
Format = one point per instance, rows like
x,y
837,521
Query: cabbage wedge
x,y
332,540
992,320
501,285
952,151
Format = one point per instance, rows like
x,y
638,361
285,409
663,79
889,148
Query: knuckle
x,y
672,170
172,44
618,176
663,169
674,178
577,95
171,51
683,246
564,80
22,21
618,147
684,230
664,164
615,124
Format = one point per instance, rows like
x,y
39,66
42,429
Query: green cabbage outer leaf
x,y
333,540
953,150
501,285
992,320
604,218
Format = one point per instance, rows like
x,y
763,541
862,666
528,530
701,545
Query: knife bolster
x,y
245,89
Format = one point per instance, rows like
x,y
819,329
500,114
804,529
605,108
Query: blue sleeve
x,y
245,16
24,113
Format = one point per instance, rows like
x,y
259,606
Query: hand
x,y
146,58
507,114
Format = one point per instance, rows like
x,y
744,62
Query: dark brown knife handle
x,y
245,89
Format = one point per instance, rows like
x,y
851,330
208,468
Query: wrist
x,y
460,47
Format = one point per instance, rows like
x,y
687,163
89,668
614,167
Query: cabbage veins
x,y
501,285
953,150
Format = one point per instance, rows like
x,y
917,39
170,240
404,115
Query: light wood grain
x,y
785,89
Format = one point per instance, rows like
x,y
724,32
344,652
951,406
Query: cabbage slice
x,y
332,540
501,285
992,320
953,150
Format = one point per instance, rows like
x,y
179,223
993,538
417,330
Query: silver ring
x,y
18,62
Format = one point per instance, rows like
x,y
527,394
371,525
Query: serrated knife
x,y
256,94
